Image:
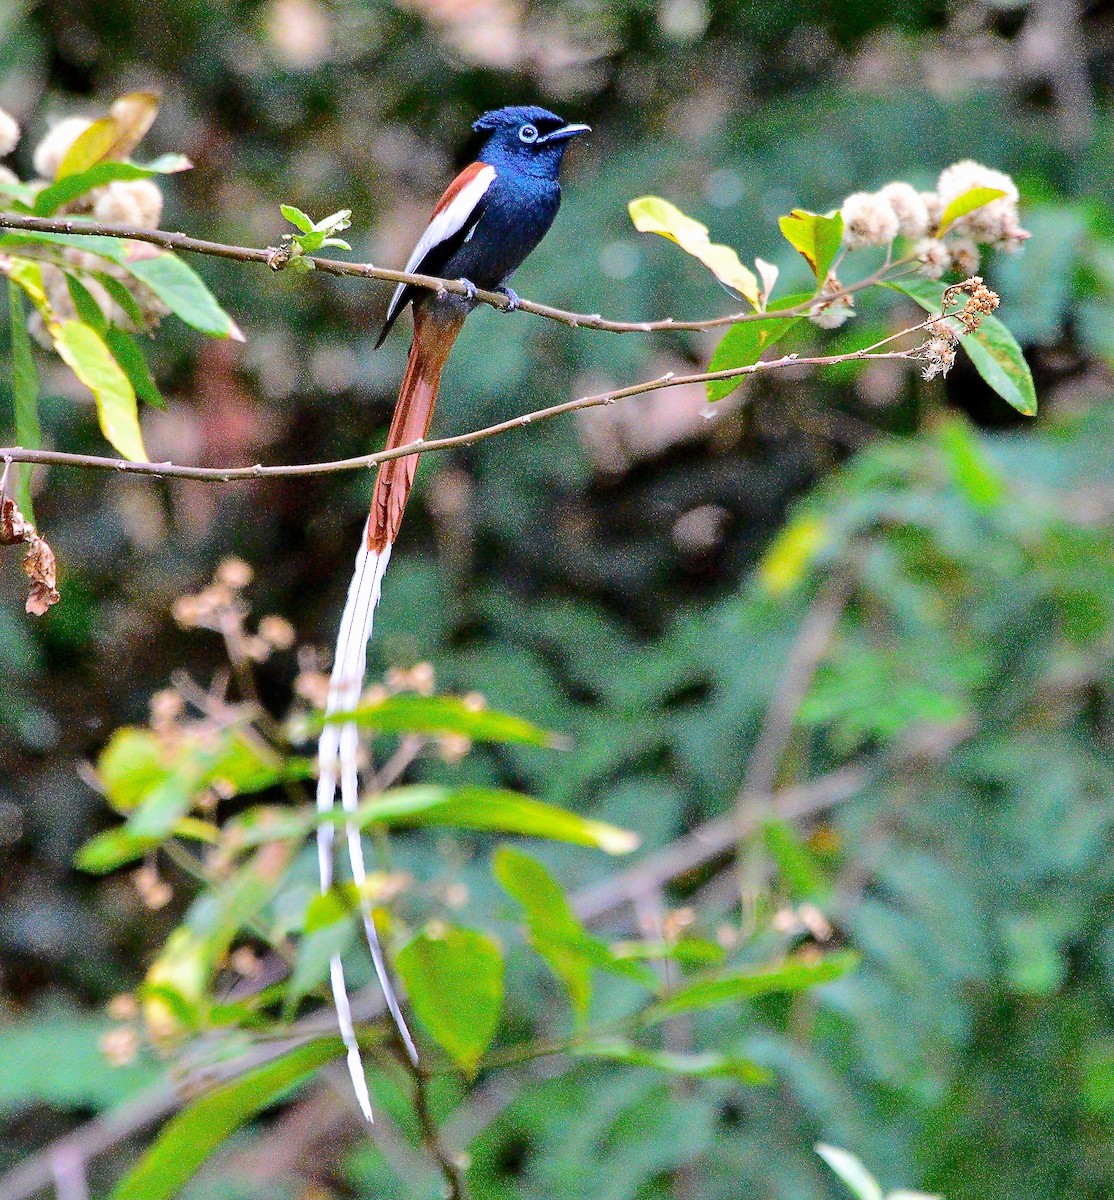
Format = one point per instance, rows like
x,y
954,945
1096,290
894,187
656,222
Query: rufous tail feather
x,y
338,746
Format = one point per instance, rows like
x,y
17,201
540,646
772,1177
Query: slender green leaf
x,y
25,396
488,809
446,714
188,1140
85,353
555,930
652,214
181,289
744,344
815,236
699,1066
454,982
330,925
116,847
131,358
495,810
70,187
992,348
88,310
967,203
124,299
296,217
795,975
106,247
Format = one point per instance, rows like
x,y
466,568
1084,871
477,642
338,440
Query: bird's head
x,y
530,138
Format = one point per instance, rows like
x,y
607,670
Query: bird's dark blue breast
x,y
518,211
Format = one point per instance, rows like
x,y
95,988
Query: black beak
x,y
566,131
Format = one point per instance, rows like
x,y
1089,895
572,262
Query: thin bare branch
x,y
171,470
277,258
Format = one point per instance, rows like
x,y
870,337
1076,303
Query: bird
x,y
489,219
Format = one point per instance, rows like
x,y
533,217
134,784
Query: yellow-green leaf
x,y
791,555
816,236
83,350
652,214
188,1140
454,982
967,203
114,136
29,276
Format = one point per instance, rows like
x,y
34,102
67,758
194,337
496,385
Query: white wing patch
x,y
449,221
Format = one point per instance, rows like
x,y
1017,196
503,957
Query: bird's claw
x,y
469,287
512,299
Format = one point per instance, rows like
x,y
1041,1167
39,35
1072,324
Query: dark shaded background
x,y
591,574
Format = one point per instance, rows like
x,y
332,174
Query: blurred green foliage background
x,y
596,575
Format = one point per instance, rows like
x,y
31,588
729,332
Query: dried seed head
x,y
234,573
277,632
120,1045
129,202
154,893
910,209
933,255
868,220
990,222
9,133
59,138
964,255
934,208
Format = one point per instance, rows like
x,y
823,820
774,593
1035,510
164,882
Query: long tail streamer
x,y
338,747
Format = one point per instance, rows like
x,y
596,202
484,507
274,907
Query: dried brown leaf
x,y
38,562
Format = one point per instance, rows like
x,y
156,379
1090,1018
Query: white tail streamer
x,y
338,745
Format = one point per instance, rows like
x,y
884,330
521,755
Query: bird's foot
x,y
469,287
512,299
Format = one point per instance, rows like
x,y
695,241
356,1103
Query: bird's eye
x,y
528,134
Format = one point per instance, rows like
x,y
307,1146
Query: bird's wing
x,y
454,217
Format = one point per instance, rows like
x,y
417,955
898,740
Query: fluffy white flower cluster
x,y
877,218
135,202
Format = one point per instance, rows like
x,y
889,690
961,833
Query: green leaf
x,y
744,344
25,396
192,1136
124,299
967,203
555,931
115,847
796,865
795,975
181,289
697,1066
816,236
22,195
330,925
446,714
495,810
131,358
70,187
858,1179
106,247
88,310
52,1059
83,350
992,348
296,217
454,982
652,214
975,475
